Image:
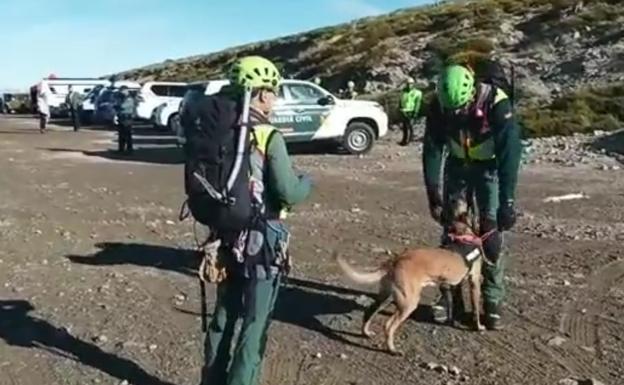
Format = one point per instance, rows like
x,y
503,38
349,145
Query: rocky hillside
x,y
568,55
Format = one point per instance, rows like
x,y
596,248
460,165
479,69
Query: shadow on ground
x,y
19,328
160,155
301,302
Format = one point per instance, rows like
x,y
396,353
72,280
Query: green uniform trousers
x,y
245,364
481,177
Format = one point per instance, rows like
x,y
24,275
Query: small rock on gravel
x,y
556,341
454,371
363,300
101,339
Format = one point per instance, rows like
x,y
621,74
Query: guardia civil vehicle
x,y
306,112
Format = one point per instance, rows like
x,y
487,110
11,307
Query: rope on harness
x,y
473,240
209,248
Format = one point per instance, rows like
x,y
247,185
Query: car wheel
x,y
174,123
358,138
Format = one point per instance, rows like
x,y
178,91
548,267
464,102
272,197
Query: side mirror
x,y
326,100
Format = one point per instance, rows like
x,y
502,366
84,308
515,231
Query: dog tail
x,y
358,276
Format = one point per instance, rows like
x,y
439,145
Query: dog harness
x,y
470,247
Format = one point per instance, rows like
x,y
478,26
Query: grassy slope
x,y
458,31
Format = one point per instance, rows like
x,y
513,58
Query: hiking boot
x,y
493,316
440,310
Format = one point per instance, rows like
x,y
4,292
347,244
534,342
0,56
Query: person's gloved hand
x,y
506,216
435,203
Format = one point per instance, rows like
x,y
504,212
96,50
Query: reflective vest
x,y
476,141
410,100
261,136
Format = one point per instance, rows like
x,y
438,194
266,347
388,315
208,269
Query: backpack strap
x,y
483,96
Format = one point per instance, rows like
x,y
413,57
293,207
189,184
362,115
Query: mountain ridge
x,y
565,52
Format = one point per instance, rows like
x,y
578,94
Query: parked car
x,y
16,103
58,88
88,104
105,102
153,94
90,101
306,112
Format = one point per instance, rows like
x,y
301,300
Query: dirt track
x,y
98,286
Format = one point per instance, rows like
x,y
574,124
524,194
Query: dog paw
x,y
368,333
480,328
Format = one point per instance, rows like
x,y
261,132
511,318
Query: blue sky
x,y
96,37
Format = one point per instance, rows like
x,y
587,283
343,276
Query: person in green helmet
x,y
278,188
471,129
411,98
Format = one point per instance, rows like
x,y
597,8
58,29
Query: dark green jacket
x,y
73,100
500,136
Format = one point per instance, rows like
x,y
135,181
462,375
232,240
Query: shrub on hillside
x,y
473,59
450,50
376,32
411,23
445,17
583,111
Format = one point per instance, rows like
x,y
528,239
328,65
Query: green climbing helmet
x,y
456,87
254,72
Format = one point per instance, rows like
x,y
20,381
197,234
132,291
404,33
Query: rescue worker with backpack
x,y
473,122
240,183
410,102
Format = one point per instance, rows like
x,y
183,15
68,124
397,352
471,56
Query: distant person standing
x,y
44,110
124,114
411,99
74,103
317,81
350,93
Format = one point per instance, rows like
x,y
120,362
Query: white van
x,y
153,94
58,89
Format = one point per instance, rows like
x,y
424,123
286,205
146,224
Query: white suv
x,y
153,94
305,112
166,114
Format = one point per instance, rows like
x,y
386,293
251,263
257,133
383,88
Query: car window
x,y
177,91
303,93
160,90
